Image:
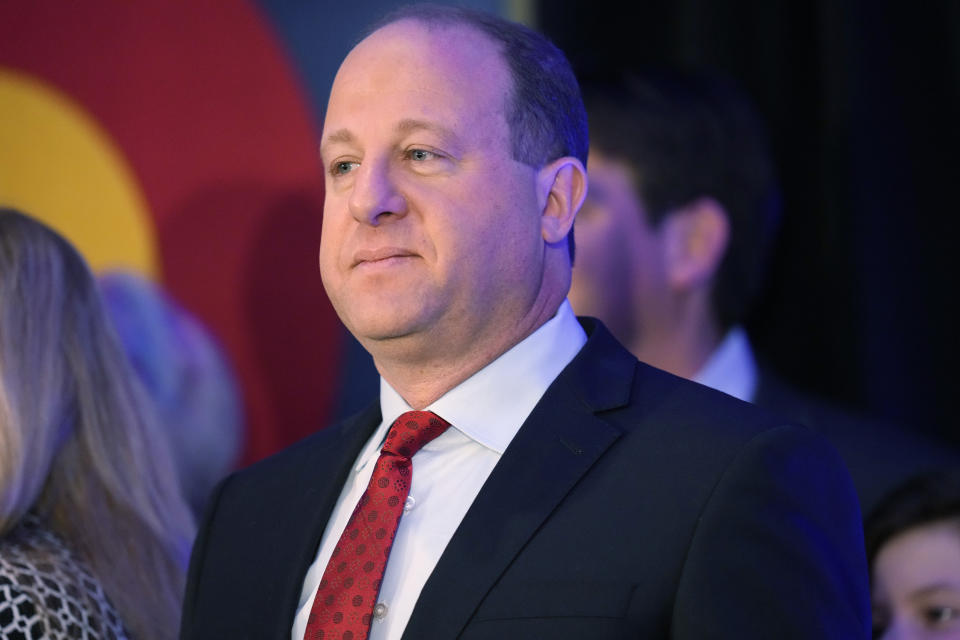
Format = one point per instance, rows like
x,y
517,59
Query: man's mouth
x,y
381,255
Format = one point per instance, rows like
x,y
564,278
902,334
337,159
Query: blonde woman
x,y
93,532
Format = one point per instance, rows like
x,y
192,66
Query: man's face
x,y
618,276
431,230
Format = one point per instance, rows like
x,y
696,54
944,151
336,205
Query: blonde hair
x,y
79,443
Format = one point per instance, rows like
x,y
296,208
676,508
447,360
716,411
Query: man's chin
x,y
387,326
371,334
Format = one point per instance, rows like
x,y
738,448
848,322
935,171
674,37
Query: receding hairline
x,y
430,24
434,17
444,22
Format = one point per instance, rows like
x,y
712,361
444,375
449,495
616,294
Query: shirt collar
x,y
490,405
731,368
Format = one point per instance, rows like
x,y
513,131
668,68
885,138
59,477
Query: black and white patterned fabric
x,y
46,592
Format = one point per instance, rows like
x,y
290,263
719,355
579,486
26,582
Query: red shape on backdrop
x,y
202,101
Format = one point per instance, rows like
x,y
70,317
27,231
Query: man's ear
x,y
561,189
696,236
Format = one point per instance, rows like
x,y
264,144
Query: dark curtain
x,y
861,100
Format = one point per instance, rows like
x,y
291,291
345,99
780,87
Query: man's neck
x,y
681,349
422,385
421,376
731,368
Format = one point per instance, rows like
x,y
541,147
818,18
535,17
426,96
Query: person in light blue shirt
x,y
673,245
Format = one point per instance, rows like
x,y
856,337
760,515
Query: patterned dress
x,y
46,592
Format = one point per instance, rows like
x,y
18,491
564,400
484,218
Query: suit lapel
x,y
315,484
555,447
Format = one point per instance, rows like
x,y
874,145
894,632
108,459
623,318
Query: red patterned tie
x,y
343,606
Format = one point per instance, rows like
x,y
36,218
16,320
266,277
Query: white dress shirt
x,y
485,412
731,368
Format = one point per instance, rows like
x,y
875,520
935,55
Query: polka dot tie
x,y
343,606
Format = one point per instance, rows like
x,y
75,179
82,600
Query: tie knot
x,y
411,431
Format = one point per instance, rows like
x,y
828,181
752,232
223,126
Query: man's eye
x,y
421,154
343,167
939,616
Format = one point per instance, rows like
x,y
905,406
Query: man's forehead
x,y
459,49
430,76
451,34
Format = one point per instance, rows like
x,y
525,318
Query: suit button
x,y
380,611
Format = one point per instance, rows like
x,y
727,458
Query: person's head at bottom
x,y
454,147
913,545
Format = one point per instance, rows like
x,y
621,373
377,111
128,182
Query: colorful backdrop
x,y
179,140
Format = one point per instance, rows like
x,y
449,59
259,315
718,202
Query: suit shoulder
x,y
653,408
879,454
688,406
291,454
705,431
300,459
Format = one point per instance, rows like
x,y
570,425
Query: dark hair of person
x,y
688,135
924,499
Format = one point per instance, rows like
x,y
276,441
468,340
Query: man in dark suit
x,y
672,246
577,493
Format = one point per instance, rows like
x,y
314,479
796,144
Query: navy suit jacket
x,y
630,504
880,456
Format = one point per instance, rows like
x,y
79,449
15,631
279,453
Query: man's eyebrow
x,y
339,136
404,127
409,125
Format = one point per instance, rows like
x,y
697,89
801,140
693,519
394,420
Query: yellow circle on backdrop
x,y
57,164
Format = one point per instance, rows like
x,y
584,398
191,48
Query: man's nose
x,y
375,195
